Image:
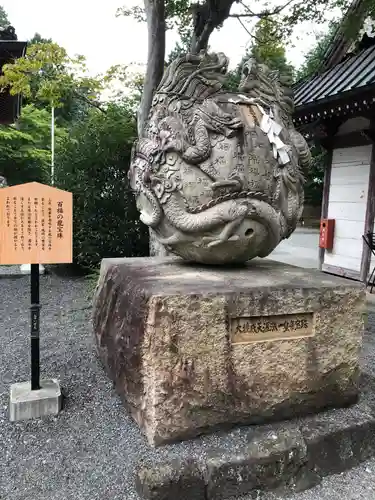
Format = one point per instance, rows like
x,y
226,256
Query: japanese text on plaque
x,y
278,327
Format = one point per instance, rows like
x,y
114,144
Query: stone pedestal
x,y
26,269
192,348
25,404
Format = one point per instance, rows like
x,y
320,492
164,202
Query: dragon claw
x,y
225,183
214,243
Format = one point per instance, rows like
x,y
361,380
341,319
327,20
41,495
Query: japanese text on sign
x,y
60,219
35,224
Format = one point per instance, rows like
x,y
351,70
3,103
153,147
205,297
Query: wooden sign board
x,y
36,225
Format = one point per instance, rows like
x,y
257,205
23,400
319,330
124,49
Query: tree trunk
x,y
155,13
207,17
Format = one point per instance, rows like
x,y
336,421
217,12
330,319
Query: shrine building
x,y
336,106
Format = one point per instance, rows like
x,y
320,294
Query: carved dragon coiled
x,y
218,176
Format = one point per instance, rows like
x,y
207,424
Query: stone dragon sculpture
x,y
217,175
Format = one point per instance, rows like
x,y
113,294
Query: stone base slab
x,y
8,271
193,348
26,269
284,458
25,404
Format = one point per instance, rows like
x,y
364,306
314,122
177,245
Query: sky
x,y
91,28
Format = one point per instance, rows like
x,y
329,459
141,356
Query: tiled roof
x,y
356,72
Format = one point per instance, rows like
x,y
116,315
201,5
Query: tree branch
x,y
248,31
156,25
265,13
94,104
247,8
207,17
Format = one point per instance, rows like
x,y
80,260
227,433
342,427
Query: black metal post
x,y
35,320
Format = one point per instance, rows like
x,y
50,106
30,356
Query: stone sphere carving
x,y
217,175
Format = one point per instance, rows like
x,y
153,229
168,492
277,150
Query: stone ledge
x,y
287,457
10,272
178,479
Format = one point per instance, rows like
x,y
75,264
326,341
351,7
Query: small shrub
x,y
92,162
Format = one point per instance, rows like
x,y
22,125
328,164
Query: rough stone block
x,y
271,460
178,479
25,404
191,348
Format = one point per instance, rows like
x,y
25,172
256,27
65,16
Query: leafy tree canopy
x,y
195,21
125,84
25,154
198,19
58,74
92,144
350,27
315,55
267,47
4,21
37,38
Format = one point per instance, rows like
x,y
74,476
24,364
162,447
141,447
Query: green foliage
x,y
25,154
48,75
350,28
181,47
267,48
127,84
233,78
4,21
93,145
92,162
315,176
315,56
180,14
74,100
37,38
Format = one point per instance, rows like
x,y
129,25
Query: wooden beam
x,y
341,271
353,139
369,217
343,109
325,200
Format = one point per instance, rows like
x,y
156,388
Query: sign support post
x,y
36,225
35,322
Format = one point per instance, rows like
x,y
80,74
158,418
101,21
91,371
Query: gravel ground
x,y
90,450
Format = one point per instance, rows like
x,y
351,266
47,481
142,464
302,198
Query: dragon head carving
x,y
193,76
259,81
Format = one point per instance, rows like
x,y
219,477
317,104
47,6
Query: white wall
x,y
347,205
